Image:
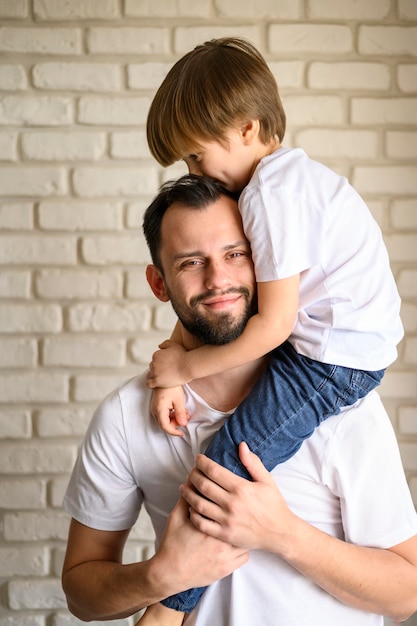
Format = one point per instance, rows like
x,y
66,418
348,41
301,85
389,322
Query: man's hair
x,y
219,84
196,192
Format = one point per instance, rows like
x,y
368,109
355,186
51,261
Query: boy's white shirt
x,y
301,217
347,479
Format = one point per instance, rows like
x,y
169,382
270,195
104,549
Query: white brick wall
x,y
76,315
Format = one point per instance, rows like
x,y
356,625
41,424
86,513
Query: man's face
x,y
208,270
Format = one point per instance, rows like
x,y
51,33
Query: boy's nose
x,y
194,168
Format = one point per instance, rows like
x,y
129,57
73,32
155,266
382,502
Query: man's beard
x,y
220,329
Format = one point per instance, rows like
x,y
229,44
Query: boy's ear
x,y
156,283
249,130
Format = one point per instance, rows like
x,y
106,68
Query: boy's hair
x,y
195,192
219,84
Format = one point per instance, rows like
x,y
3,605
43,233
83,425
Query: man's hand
x,y
253,515
196,558
168,367
168,409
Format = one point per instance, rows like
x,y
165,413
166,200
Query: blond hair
x,y
212,88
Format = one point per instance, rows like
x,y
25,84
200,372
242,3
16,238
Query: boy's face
x,y
231,162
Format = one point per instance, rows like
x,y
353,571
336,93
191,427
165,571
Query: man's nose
x,y
217,275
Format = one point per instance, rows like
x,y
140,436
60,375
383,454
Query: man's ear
x,y
249,131
156,283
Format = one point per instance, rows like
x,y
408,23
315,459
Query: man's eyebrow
x,y
241,243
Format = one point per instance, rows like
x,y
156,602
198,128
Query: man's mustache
x,y
210,294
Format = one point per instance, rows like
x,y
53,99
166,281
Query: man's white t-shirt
x,y
301,217
347,480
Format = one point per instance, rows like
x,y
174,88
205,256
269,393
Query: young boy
x,y
328,306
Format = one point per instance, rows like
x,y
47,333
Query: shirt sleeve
x,y
102,492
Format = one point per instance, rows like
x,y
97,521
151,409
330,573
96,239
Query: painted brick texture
x,y
76,315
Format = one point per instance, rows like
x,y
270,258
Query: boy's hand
x,y
168,366
168,409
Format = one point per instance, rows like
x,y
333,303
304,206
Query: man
x,y
306,524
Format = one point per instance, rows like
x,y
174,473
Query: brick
x,y
135,212
90,388
68,146
78,76
38,250
128,40
41,40
407,9
83,216
57,492
407,420
171,173
115,181
131,317
83,352
33,181
296,38
16,9
288,73
348,9
23,620
407,285
36,387
15,352
76,9
141,350
12,77
129,145
401,180
66,619
255,9
137,285
402,247
384,111
404,214
410,352
36,458
387,40
113,111
167,8
62,422
23,561
146,75
16,216
15,424
349,144
409,455
408,311
407,78
108,250
315,110
14,284
8,146
79,284
36,594
22,494
187,37
401,144
34,318
349,76
399,385
165,318
35,111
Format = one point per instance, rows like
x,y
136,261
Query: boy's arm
x,y
269,328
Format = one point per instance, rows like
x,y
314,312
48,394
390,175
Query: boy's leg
x,y
293,396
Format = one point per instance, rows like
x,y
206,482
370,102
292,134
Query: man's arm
x,y
99,587
254,515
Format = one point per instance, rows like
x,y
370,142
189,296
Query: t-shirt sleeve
x,y
376,505
102,492
285,230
